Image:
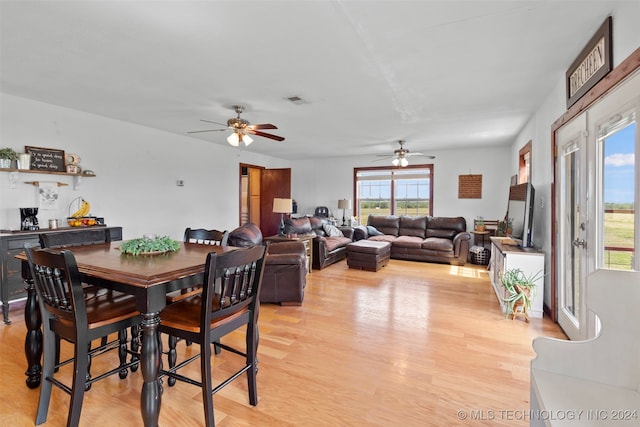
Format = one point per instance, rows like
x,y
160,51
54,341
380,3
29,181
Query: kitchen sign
x,y
593,63
46,159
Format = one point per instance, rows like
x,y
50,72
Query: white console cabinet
x,y
530,261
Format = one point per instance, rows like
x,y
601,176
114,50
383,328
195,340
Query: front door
x,y
597,191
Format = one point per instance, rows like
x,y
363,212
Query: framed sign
x,y
594,62
46,159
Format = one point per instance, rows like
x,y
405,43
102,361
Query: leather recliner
x,y
285,266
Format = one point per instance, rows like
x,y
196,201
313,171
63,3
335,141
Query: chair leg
x,y
172,357
207,384
57,350
252,372
80,375
48,368
135,345
86,385
122,352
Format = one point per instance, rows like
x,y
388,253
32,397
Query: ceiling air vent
x,y
296,100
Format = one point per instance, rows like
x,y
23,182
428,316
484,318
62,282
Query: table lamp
x,y
344,204
282,206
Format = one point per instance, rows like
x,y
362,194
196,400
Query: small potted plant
x,y
509,226
7,155
501,229
520,291
479,224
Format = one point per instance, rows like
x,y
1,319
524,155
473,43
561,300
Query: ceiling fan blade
x,y
383,158
421,155
215,123
266,135
262,126
207,130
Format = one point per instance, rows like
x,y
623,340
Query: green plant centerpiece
x,y
145,246
520,291
479,224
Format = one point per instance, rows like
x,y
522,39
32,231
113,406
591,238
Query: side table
x,y
304,238
480,236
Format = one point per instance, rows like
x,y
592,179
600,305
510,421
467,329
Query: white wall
x,y
626,39
321,182
136,171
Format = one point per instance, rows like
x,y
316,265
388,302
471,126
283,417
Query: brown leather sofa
x,y
327,249
420,238
285,266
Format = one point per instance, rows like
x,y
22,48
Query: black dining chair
x,y
82,237
69,314
203,237
207,237
229,301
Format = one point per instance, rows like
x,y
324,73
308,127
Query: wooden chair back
x,y
58,284
232,284
207,237
87,236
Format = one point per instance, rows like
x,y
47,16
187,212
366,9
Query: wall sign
x,y
469,186
46,159
594,62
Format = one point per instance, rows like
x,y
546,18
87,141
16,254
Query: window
x,y
394,191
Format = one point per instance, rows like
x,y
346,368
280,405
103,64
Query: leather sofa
x,y
285,266
329,245
420,238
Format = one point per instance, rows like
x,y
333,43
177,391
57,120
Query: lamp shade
x,y
344,204
282,206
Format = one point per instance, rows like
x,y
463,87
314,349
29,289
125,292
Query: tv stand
x,y
505,256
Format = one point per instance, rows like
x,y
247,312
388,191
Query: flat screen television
x,y
520,211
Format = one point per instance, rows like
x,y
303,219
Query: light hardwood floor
x,y
415,344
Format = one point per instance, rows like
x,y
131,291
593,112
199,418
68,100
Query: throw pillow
x,y
332,230
372,231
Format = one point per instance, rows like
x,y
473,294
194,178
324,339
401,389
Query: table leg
x,y
150,363
33,339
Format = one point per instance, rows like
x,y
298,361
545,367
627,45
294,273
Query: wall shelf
x,y
44,172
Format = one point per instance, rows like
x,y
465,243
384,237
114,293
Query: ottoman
x,y
368,255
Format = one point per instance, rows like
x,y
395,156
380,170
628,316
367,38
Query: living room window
x,y
393,191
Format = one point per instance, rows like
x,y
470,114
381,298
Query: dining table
x,y
149,277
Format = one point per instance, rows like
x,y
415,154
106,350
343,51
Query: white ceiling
x,y
440,74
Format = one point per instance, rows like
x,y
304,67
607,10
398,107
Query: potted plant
x,y
501,229
7,155
520,291
509,226
479,224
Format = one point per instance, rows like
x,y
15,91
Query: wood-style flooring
x,y
415,344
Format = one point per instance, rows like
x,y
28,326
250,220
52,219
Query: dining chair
x,y
68,313
229,301
82,237
208,237
203,237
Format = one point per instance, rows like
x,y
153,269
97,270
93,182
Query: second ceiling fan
x,y
401,155
241,129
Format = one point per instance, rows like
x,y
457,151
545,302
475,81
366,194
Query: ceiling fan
x,y
241,128
401,155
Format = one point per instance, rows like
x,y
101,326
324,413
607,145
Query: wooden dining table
x,y
149,278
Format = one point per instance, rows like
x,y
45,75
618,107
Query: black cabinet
x,y
11,244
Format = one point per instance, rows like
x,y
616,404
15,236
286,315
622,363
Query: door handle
x,y
580,243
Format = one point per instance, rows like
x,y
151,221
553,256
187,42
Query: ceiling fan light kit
x,y
236,138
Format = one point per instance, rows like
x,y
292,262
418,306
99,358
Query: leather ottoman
x,y
368,255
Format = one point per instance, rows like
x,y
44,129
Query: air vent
x,y
296,100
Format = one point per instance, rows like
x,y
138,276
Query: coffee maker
x,y
29,219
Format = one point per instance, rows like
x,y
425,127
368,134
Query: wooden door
x,y
274,183
258,188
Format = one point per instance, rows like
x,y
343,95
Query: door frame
x,y
615,77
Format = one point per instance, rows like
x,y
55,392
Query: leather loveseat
x,y
285,266
330,242
419,238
